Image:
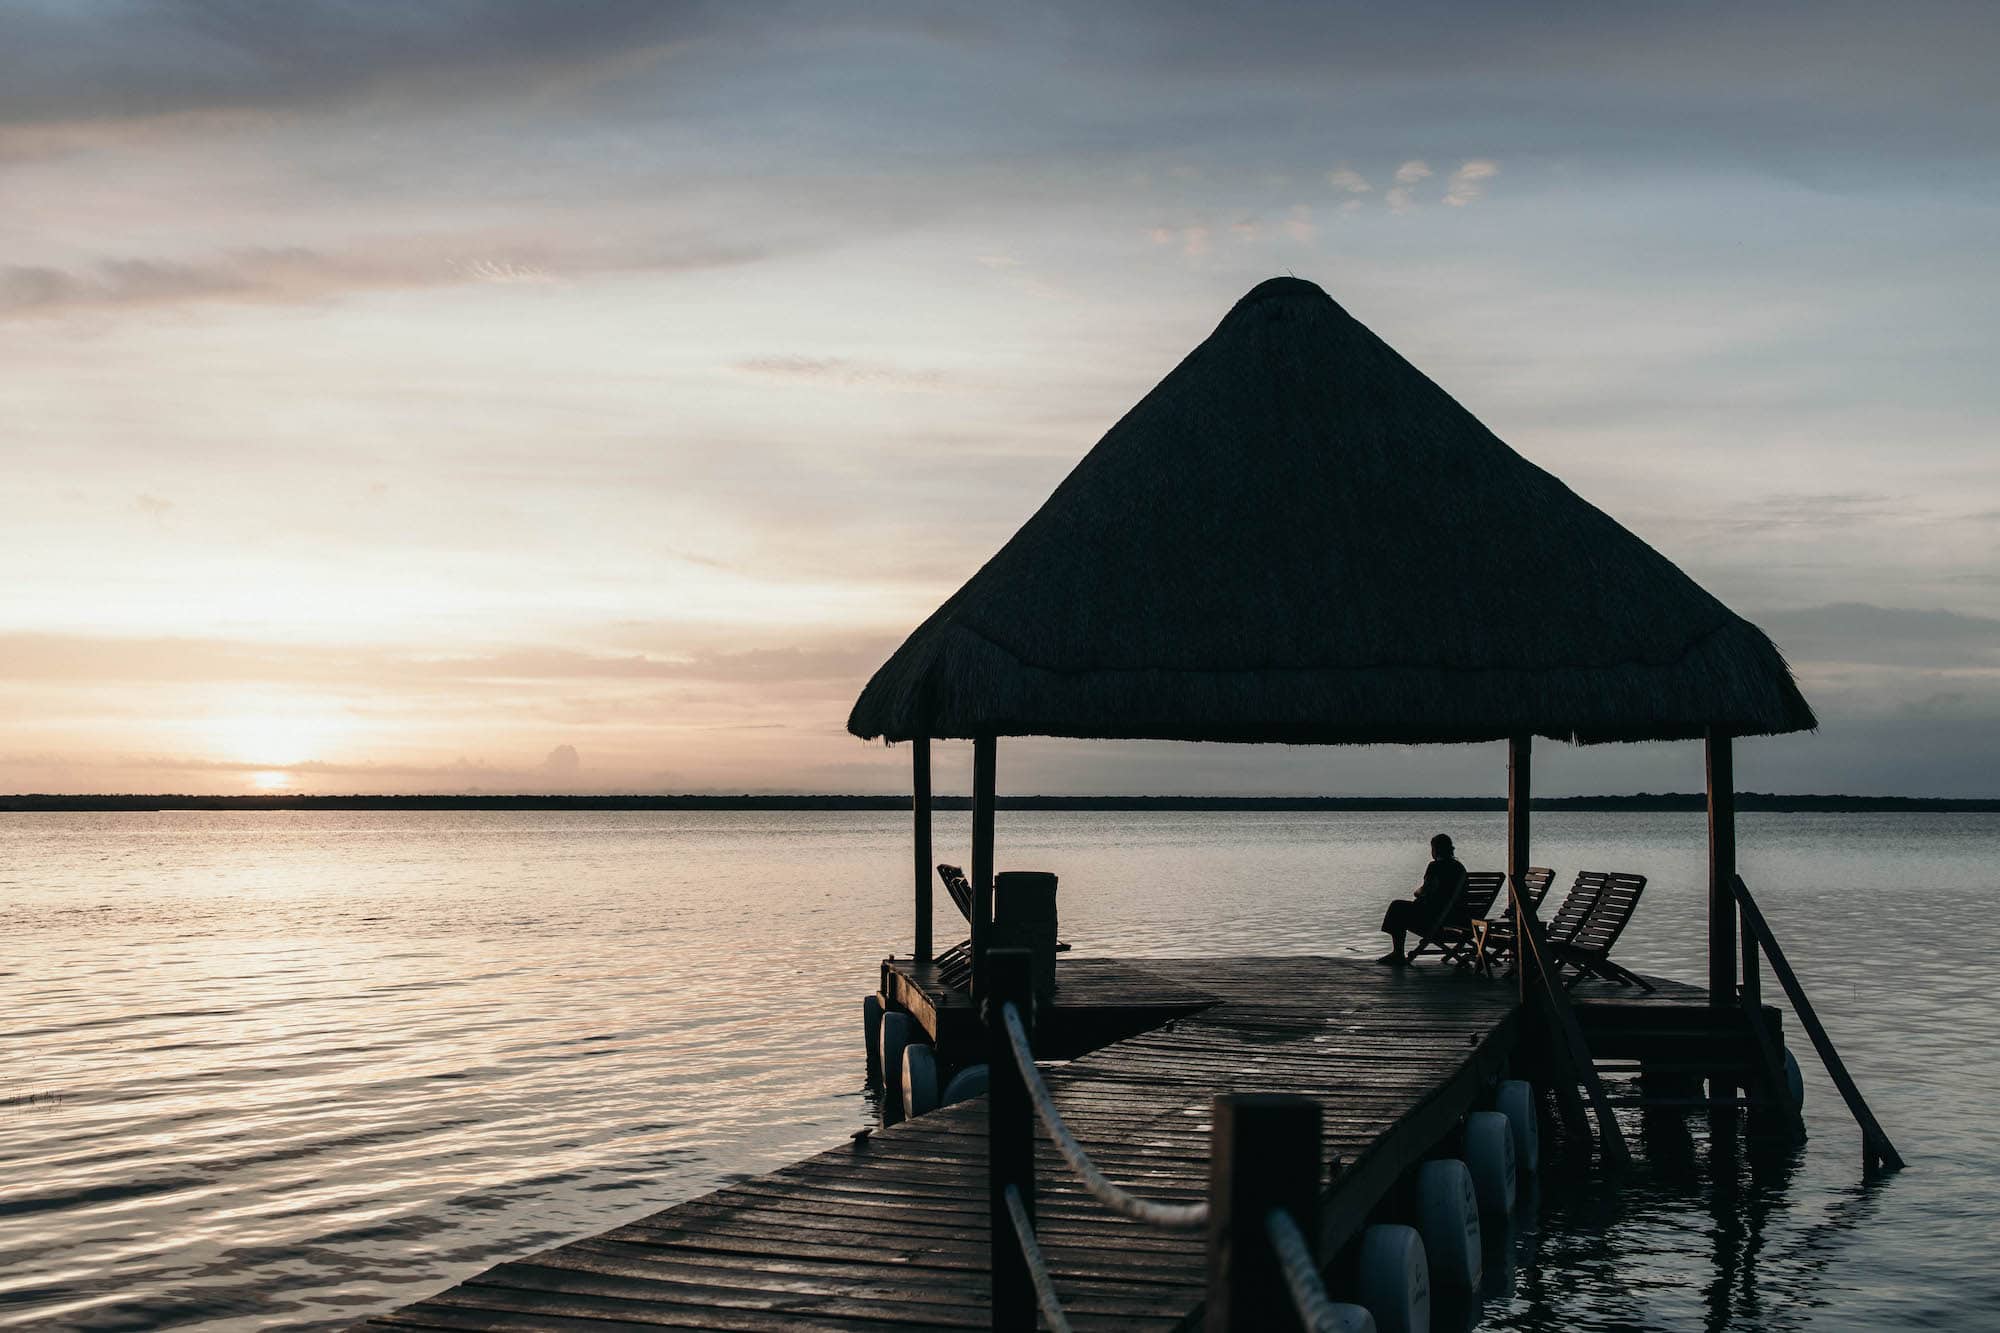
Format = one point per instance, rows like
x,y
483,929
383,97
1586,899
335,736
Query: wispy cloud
x,y
841,371
1348,180
298,274
1469,181
1408,176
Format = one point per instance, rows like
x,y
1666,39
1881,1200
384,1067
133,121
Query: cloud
x,y
1299,223
562,764
1815,510
1860,633
172,58
1349,180
298,274
1469,182
1410,174
840,371
83,659
1194,240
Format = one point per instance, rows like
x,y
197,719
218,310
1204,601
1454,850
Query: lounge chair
x,y
1536,886
1500,936
1452,936
955,964
1588,948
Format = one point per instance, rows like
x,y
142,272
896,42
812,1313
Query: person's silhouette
x,y
1441,893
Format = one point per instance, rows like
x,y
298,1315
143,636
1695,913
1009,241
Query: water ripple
x,y
306,1066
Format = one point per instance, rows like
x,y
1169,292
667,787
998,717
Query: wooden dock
x,y
891,1230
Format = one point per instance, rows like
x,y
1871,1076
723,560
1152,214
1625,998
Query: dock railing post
x,y
1010,1121
1264,1154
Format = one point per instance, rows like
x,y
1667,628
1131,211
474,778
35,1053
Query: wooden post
x,y
1721,871
920,838
1264,1154
1010,1131
983,748
1519,784
1876,1150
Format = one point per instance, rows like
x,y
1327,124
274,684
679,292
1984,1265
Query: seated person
x,y
1442,891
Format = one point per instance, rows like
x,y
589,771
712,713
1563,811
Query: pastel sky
x,y
588,396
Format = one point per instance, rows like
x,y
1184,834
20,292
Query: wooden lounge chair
x,y
1536,886
1500,939
1588,948
955,964
1452,936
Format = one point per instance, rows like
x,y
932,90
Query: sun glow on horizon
x,y
274,741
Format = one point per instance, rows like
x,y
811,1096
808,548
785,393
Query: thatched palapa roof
x,y
1297,536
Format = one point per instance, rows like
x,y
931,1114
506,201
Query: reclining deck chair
x,y
1501,939
955,964
1452,936
1588,948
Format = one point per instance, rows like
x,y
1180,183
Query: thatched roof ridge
x,y
1297,536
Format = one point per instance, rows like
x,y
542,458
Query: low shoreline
x,y
1639,802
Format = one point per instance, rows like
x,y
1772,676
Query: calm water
x,y
282,1070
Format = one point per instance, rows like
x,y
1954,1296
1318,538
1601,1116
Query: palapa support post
x,y
983,748
1264,1154
1520,751
1569,1054
1721,900
1721,870
920,838
1010,1134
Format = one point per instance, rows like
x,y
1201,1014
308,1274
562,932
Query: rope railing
x,y
1302,1280
1263,1198
1167,1216
1038,1267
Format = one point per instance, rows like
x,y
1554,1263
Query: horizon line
x,y
1786,802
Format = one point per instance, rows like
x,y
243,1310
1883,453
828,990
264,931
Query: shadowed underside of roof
x,y
1297,536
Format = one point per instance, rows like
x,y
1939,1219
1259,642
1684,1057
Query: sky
x,y
503,396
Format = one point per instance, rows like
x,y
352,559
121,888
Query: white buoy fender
x,y
920,1088
1795,1080
966,1084
1395,1279
897,1032
1516,1101
1489,1152
1351,1318
1448,1220
871,1037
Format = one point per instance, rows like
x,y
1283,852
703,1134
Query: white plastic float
x,y
1516,1101
871,1037
898,1031
1448,1220
969,1082
1489,1152
920,1082
1394,1282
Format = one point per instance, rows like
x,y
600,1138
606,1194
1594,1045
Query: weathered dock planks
x,y
890,1232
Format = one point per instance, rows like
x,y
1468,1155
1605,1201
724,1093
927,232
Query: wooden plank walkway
x,y
890,1232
